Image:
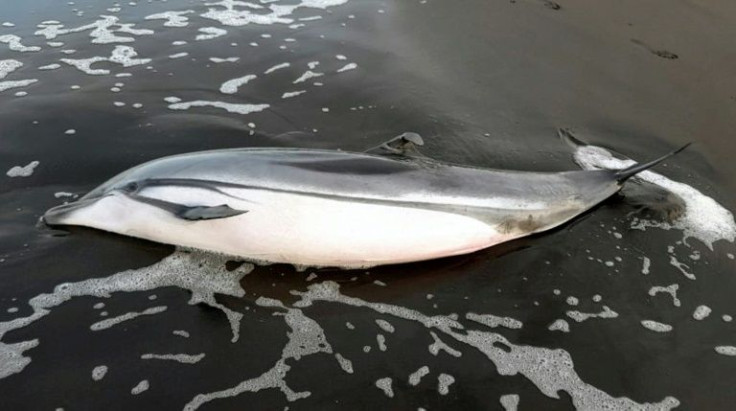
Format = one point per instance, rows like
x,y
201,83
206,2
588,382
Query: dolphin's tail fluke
x,y
628,172
625,173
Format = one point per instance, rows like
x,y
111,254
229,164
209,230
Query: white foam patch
x,y
178,55
345,364
494,321
111,322
204,275
173,18
646,264
181,333
8,66
229,107
386,385
23,171
125,56
559,325
181,358
656,326
232,86
14,43
701,312
550,370
306,338
224,60
381,341
670,289
510,402
347,67
443,383
580,316
102,31
729,350
309,74
703,217
53,66
385,325
416,377
277,67
140,387
209,33
684,268
99,372
7,85
232,15
439,345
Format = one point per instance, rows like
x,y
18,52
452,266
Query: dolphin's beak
x,y
59,214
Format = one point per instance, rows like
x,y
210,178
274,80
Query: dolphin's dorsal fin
x,y
402,145
191,213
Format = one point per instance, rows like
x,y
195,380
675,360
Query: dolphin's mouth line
x,y
54,215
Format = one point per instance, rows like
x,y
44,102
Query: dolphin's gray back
x,y
365,176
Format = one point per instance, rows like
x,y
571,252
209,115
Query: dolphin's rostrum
x,y
334,208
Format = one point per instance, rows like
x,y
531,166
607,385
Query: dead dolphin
x,y
333,208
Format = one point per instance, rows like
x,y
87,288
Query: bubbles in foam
x,y
140,387
385,325
703,217
229,107
277,67
510,402
701,312
99,372
656,326
347,67
8,66
580,316
173,18
729,350
22,171
204,275
110,322
345,364
385,385
550,370
493,321
381,341
443,383
181,358
14,43
416,377
439,345
231,86
306,338
559,325
209,33
670,289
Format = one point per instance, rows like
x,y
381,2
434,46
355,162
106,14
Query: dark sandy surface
x,y
486,83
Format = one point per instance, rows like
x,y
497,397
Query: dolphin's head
x,y
109,196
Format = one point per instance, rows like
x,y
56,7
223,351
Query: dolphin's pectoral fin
x,y
208,213
402,145
191,213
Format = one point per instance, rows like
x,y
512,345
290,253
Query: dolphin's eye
x,y
131,187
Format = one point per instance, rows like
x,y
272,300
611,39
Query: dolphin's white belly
x,y
297,229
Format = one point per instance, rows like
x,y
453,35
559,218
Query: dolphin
x,y
328,208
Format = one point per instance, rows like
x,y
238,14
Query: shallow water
x,y
485,83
